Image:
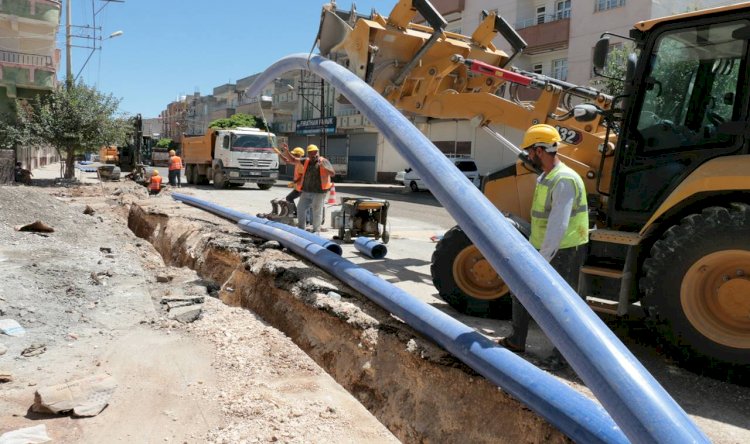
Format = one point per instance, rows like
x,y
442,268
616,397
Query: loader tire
x,y
696,287
465,280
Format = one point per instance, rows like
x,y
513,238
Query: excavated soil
x,y
416,389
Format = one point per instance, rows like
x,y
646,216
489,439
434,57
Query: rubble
x,y
88,210
34,350
11,327
84,397
36,227
187,314
164,278
28,435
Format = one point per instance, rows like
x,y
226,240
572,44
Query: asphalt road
x,y
719,408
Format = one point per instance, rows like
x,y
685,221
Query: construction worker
x,y
296,157
559,224
175,169
314,183
154,184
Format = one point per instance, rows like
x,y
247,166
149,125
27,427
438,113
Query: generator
x,y
362,217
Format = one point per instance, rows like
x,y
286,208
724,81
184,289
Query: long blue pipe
x,y
575,415
236,216
636,401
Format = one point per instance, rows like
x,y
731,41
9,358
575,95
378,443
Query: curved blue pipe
x,y
636,401
370,247
236,216
575,415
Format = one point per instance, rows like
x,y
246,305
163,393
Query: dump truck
x,y
666,164
109,155
231,157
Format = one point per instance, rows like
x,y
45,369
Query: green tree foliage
x,y
76,120
239,120
165,142
614,69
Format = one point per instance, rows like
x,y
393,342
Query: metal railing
x,y
21,58
548,18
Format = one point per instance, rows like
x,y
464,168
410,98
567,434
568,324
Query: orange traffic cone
x,y
332,196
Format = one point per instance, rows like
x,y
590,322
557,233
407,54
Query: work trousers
x,y
314,201
174,177
567,262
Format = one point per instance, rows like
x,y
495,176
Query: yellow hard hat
x,y
171,152
542,135
311,148
155,173
298,152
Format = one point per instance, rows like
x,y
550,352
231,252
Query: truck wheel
x,y
696,286
219,180
189,174
465,279
265,186
197,178
414,187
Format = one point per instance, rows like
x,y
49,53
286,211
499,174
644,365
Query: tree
x,y
613,84
165,142
238,120
76,120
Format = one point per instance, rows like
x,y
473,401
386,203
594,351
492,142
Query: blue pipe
x,y
575,415
236,216
636,401
370,247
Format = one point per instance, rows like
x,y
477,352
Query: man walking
x,y
559,224
175,169
316,181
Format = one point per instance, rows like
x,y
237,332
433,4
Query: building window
x,y
562,10
603,5
560,69
541,11
538,68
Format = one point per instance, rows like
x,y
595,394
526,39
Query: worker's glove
x,y
290,185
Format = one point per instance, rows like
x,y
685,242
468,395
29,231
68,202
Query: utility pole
x,y
68,52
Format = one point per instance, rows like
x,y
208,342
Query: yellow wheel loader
x,y
666,164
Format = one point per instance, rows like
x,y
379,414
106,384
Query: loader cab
x,y
689,105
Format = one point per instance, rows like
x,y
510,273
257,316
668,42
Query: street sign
x,y
325,125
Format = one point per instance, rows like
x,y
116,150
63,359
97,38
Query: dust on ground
x,y
88,294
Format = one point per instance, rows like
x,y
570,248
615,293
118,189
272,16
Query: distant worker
x,y
559,224
22,175
294,157
314,184
154,184
175,169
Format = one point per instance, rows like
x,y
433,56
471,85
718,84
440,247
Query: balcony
x,y
21,70
551,35
40,10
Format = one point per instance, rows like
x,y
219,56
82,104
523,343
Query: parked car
x,y
466,165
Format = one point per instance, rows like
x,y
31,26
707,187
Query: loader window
x,y
692,88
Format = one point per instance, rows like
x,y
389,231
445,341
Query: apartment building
x,y
29,60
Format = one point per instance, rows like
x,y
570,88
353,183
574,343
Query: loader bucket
x,y
333,31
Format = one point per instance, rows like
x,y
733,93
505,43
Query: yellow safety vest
x,y
541,207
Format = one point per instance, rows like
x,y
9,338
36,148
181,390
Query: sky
x,y
171,48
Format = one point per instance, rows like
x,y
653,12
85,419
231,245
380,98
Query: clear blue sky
x,y
173,47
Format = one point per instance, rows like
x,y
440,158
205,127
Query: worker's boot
x,y
275,207
283,208
292,209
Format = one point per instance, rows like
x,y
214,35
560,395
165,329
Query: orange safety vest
x,y
299,172
175,163
325,176
155,183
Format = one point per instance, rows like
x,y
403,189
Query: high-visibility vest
x,y
325,176
578,226
299,172
155,183
175,163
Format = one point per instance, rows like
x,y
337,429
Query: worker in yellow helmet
x,y
294,157
175,169
315,182
559,224
154,184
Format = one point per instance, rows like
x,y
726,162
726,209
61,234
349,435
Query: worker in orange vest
x,y
175,169
294,157
316,181
154,184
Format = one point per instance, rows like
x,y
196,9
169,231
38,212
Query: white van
x,y
466,165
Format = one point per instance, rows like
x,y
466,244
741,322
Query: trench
x,y
416,389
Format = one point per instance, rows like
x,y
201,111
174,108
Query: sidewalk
x,y
52,171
